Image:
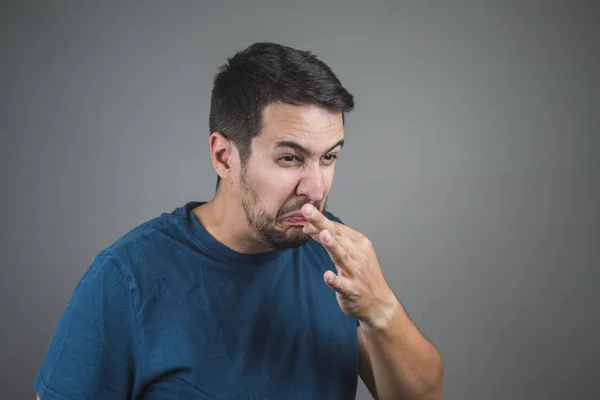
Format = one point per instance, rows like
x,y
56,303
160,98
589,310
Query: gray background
x,y
472,162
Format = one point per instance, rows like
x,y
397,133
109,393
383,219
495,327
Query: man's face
x,y
292,163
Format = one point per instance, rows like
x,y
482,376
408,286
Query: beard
x,y
263,223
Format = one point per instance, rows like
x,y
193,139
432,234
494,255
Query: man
x,y
258,293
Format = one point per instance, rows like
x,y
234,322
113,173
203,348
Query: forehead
x,y
312,126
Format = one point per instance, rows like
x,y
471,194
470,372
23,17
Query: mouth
x,y
295,219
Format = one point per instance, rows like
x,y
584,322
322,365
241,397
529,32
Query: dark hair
x,y
265,73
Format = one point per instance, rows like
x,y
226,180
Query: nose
x,y
311,185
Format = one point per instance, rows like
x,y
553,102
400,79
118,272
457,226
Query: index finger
x,y
318,220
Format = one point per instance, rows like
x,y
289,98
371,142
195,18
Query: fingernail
x,y
330,278
328,237
308,210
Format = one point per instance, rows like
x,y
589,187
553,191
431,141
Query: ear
x,y
221,153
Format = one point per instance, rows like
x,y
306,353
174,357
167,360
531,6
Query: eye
x,y
288,159
330,158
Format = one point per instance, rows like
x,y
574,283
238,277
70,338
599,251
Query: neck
x,y
224,219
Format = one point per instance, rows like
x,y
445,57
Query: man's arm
x,y
397,362
365,368
94,341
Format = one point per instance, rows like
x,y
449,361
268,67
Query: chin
x,y
297,242
292,238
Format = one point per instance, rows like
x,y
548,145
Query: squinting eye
x,y
330,157
288,158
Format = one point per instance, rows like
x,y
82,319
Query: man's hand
x,y
402,362
360,287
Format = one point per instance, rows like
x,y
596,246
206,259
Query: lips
x,y
295,218
294,215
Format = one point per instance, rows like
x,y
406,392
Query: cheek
x,y
282,189
287,182
277,182
275,188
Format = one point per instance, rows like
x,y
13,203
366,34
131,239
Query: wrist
x,y
383,314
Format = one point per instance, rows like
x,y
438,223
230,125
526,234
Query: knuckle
x,y
365,241
345,258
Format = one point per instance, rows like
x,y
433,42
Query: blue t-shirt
x,y
168,312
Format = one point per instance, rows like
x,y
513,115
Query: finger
x,y
317,219
317,222
314,232
340,257
338,283
311,230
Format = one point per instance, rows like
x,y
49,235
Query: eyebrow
x,y
302,149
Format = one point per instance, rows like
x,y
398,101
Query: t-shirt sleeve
x,y
92,352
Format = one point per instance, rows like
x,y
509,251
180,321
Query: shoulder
x,y
141,256
147,232
148,245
